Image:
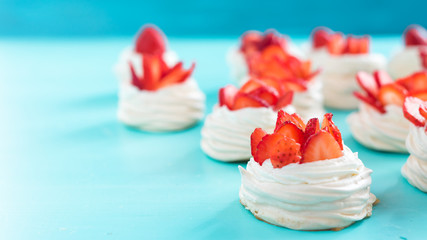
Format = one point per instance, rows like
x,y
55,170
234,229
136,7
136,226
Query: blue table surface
x,y
70,170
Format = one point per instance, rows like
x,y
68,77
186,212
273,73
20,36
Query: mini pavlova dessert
x,y
226,131
340,58
270,59
252,44
413,56
303,177
415,168
379,124
157,95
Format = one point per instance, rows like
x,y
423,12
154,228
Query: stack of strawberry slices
x,y
413,56
379,124
303,177
274,60
226,132
156,92
415,168
340,57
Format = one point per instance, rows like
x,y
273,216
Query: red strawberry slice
x,y
382,78
251,85
283,117
419,94
284,152
329,126
312,127
272,38
265,147
370,101
136,81
363,43
284,100
244,100
266,93
251,39
423,109
423,56
274,83
352,45
290,130
415,36
152,71
227,95
320,146
414,82
411,111
274,52
256,138
336,44
150,41
368,83
321,37
175,75
295,84
392,94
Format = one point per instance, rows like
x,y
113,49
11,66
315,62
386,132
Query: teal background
x,y
204,18
70,170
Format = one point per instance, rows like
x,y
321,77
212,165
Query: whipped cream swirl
x,y
226,134
170,108
309,103
415,168
385,132
319,195
405,62
338,75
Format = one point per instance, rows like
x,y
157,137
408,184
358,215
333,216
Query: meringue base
x,y
411,171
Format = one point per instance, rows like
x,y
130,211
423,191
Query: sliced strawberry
x,y
320,38
368,83
152,71
382,78
329,126
284,152
295,84
320,146
414,82
352,45
136,81
244,100
336,44
273,52
419,94
266,93
411,111
284,100
227,95
415,36
423,56
251,85
283,117
150,41
370,101
265,147
363,45
272,38
290,130
280,88
256,138
392,94
423,109
312,127
175,75
251,40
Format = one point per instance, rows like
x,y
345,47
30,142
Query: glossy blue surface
x,y
70,170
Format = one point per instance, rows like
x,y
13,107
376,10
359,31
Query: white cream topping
x,y
385,132
405,62
319,195
238,66
415,168
309,103
122,69
226,134
170,108
338,75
